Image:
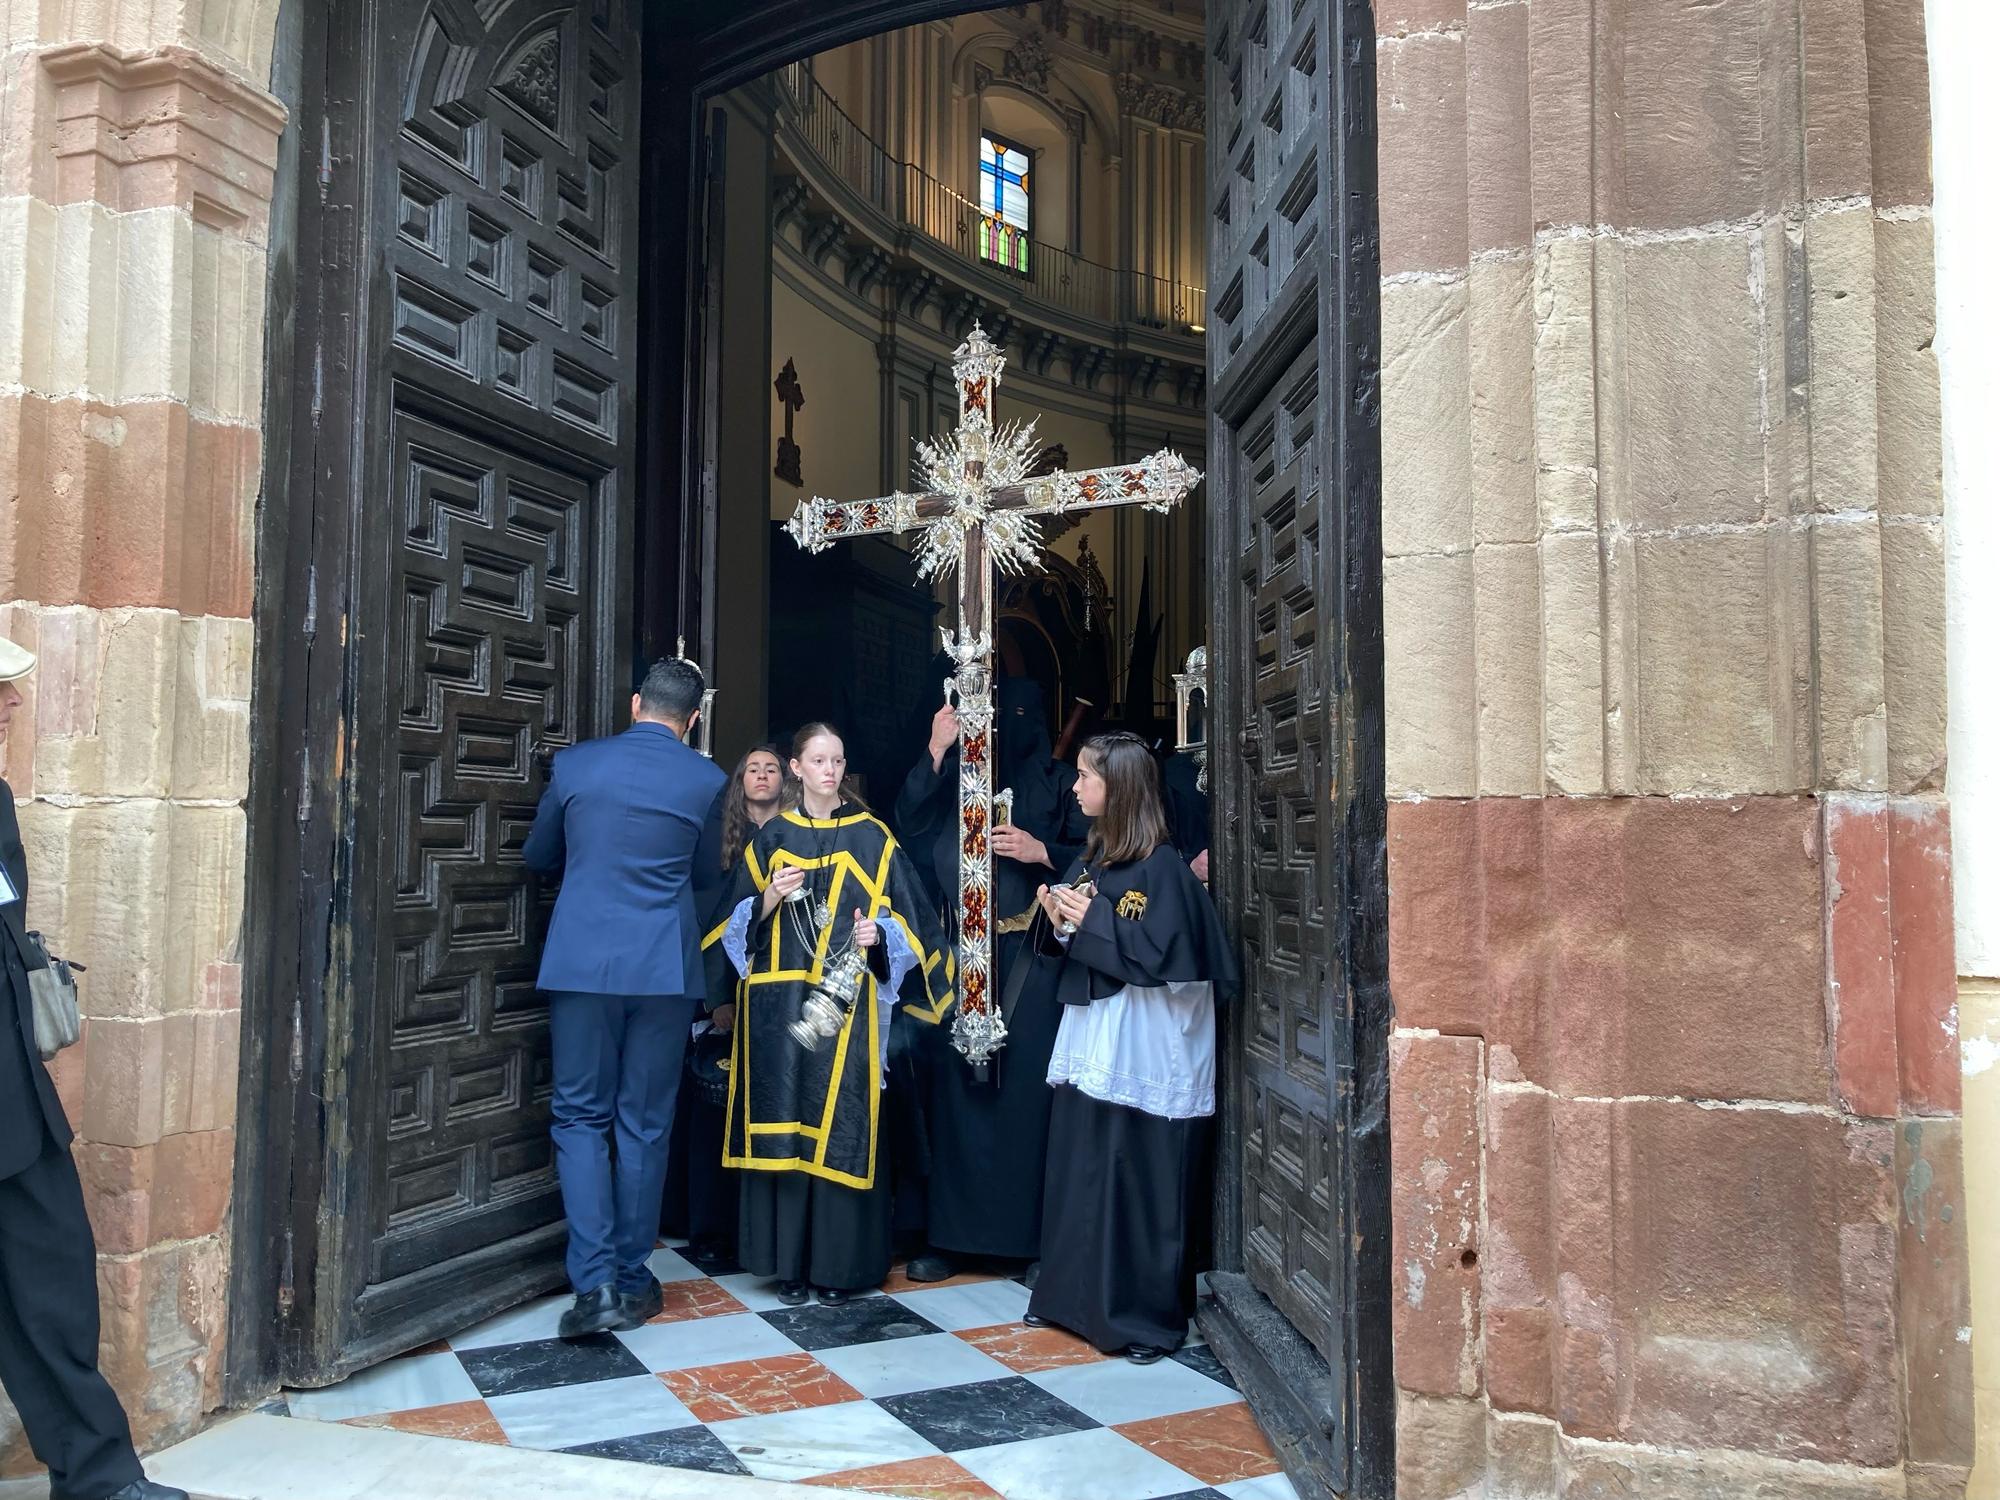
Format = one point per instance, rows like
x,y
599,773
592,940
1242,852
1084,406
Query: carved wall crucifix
x,y
977,513
792,396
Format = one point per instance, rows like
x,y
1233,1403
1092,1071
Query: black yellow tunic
x,y
803,1124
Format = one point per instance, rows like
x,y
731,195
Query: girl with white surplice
x,y
1138,959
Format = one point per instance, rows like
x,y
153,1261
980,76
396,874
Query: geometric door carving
x,y
1287,718
499,351
1299,1304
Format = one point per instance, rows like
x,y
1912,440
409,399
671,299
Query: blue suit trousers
x,y
617,1064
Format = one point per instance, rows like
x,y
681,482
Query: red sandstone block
x,y
1754,1260
1688,134
1500,210
1923,955
191,1179
1613,947
1722,944
140,504
1436,957
1518,1263
1860,993
118,1192
1934,1294
1435,1091
1420,86
1590,1336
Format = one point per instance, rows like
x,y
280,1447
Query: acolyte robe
x,y
1134,1075
803,1124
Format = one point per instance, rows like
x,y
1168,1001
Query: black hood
x,y
1021,725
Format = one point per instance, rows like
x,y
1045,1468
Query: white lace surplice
x,y
1149,1047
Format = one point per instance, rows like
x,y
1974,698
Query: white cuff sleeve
x,y
736,940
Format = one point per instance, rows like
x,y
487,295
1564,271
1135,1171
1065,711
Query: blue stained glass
x,y
1003,194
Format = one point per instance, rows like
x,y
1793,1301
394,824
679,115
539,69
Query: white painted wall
x,y
1965,126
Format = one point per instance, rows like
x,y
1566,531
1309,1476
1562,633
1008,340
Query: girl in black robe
x,y
801,1122
701,1191
1137,959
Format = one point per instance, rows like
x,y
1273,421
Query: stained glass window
x,y
1005,207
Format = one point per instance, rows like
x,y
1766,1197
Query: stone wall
x,y
137,149
1678,1195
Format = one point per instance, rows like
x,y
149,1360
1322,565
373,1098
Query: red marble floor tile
x,y
758,1387
920,1478
1026,1350
468,1421
681,1301
899,1280
1217,1445
436,1346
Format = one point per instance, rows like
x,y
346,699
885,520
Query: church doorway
x,y
510,458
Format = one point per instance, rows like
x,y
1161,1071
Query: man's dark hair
x,y
672,690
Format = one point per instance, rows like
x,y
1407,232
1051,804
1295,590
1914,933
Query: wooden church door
x,y
1300,1309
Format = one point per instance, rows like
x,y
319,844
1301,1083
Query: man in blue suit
x,y
631,823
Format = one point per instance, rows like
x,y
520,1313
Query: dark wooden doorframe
x,y
693,50
515,482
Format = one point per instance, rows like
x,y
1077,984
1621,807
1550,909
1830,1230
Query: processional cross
x,y
977,513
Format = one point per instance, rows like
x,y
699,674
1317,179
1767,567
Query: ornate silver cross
x,y
977,513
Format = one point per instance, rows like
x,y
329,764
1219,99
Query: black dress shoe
x,y
146,1489
930,1266
593,1312
833,1296
1145,1354
643,1306
1034,1320
709,1257
793,1293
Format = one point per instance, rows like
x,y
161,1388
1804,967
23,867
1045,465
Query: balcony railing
x,y
906,194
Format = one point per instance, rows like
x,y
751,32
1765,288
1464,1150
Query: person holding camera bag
x,y
48,1260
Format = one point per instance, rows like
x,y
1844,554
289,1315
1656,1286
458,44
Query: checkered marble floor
x,y
932,1390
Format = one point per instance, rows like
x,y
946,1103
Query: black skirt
x,y
701,1191
989,1138
798,1227
1125,1190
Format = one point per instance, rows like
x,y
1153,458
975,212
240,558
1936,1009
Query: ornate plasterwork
x,y
1162,104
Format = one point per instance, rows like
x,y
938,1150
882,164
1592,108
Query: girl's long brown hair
x,y
736,806
793,796
1134,821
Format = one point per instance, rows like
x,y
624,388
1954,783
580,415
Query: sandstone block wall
x,y
137,151
1679,1200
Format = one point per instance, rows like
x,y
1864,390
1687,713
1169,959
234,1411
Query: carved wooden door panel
x,y
491,596
1299,1308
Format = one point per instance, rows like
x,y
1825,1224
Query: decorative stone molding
x,y
144,130
1074,120
1103,35
1163,105
1028,63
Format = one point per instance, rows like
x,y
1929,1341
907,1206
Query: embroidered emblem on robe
x,y
1132,905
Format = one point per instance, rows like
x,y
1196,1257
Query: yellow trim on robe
x,y
846,867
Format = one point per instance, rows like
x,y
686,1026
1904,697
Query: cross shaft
x,y
978,514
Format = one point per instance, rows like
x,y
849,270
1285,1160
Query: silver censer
x,y
827,1004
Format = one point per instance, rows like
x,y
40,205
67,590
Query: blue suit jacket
x,y
633,824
